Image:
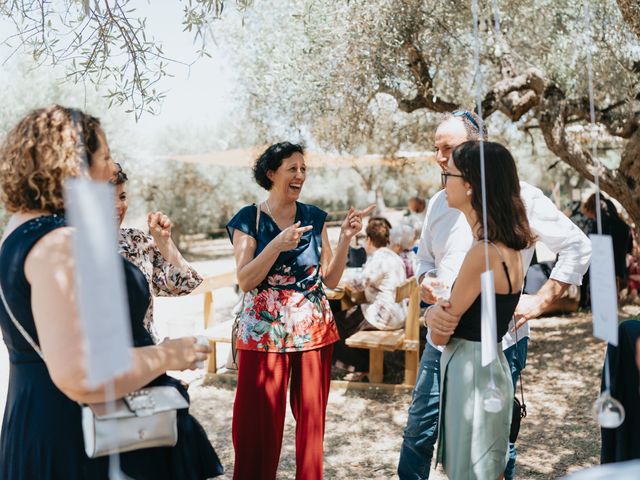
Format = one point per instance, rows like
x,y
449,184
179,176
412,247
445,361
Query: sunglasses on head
x,y
468,116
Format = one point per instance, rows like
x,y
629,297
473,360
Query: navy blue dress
x,y
41,431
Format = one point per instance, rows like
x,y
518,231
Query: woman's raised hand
x,y
352,223
289,238
184,353
159,226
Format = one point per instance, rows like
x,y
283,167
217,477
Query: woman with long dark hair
x,y
473,443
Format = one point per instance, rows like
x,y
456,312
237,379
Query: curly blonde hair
x,y
40,153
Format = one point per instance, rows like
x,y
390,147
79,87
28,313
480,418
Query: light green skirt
x,y
472,443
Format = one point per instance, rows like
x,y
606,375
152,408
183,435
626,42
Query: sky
x,y
200,95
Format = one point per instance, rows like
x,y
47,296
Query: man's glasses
x,y
468,116
444,175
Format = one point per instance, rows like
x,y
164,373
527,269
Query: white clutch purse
x,y
145,418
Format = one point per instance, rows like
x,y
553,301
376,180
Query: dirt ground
x,y
364,430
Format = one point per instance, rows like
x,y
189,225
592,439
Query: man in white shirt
x,y
445,240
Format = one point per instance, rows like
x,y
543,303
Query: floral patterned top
x,y
165,280
288,311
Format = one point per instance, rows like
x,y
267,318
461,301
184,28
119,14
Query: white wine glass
x,y
439,288
608,411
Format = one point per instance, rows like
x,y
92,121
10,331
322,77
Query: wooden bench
x,y
407,339
220,332
210,283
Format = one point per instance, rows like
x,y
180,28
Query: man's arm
x,y
446,232
425,259
562,237
532,306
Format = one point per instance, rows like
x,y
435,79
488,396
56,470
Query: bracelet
x,y
424,316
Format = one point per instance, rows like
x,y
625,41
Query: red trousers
x,y
260,406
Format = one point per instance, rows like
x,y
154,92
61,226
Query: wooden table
x,y
348,298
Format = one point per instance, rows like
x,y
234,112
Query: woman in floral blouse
x,y
286,329
166,270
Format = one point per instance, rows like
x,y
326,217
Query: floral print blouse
x,y
165,280
288,311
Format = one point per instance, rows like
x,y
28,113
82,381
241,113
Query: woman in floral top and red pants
x,y
286,330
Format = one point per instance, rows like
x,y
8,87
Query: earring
x,y
469,192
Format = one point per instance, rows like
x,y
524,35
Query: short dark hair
x,y
420,201
506,216
378,230
271,159
119,177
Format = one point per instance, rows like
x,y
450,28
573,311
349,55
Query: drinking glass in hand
x,y
439,289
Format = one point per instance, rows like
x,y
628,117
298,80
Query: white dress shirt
x,y
446,238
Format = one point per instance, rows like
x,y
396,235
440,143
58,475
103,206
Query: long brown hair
x,y
506,216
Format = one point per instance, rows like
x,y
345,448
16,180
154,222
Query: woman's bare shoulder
x,y
53,251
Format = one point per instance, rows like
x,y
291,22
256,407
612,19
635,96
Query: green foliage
x,y
106,42
369,76
197,199
334,59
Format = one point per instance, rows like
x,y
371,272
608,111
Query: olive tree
x,y
329,61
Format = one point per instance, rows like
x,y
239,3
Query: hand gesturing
x,y
289,238
159,226
352,223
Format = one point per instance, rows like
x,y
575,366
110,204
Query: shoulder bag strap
x,y
524,405
20,328
257,219
236,320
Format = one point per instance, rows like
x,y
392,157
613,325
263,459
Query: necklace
x,y
266,202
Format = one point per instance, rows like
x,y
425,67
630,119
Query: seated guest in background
x,y
401,240
381,275
417,213
633,273
357,255
166,270
621,238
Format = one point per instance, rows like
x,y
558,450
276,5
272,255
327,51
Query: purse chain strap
x,y
20,328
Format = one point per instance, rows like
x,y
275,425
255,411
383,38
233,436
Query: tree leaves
x,y
106,41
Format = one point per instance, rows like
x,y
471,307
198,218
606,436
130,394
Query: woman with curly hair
x,y
286,330
41,432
